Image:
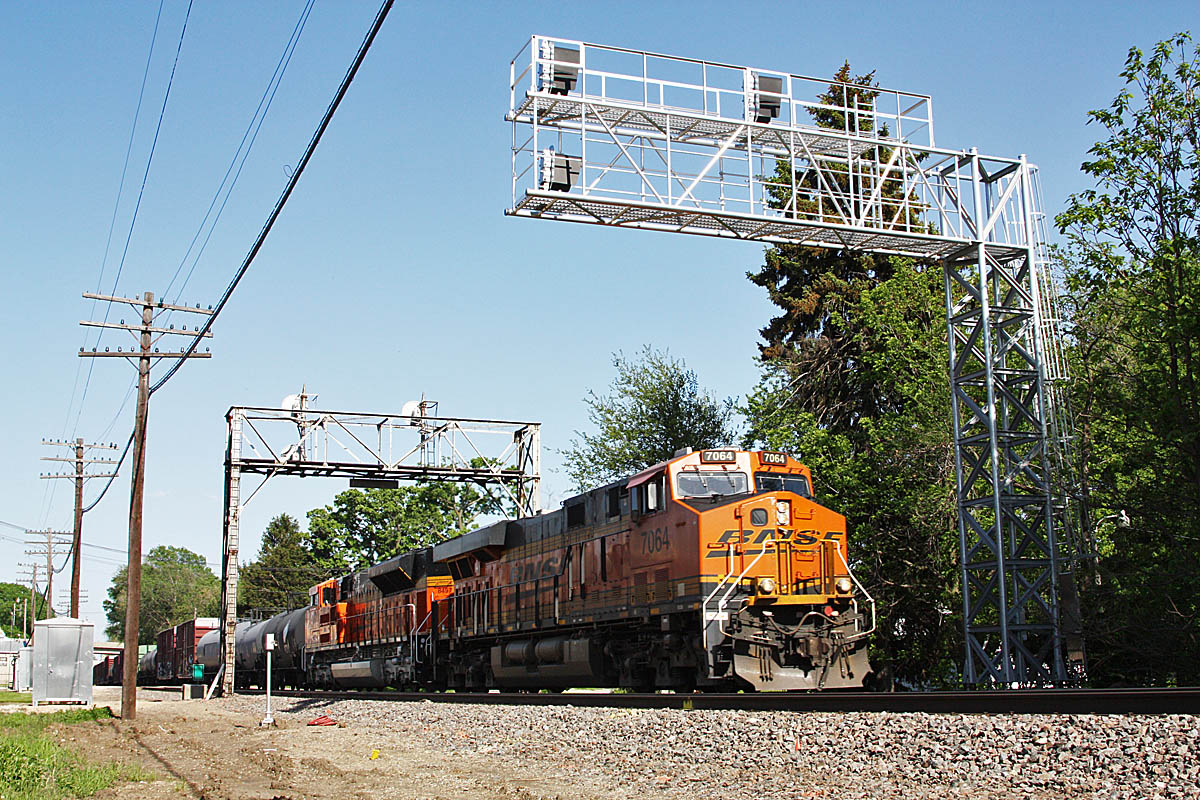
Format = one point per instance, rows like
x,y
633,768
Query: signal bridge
x,y
611,136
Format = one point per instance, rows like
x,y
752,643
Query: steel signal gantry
x,y
610,136
371,450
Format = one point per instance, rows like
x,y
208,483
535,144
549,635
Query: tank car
x,y
287,659
148,668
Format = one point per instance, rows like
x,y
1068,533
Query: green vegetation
x,y
1133,281
14,598
854,383
177,585
365,526
16,697
656,407
34,767
283,572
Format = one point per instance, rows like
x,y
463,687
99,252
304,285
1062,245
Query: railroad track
x,y
1012,701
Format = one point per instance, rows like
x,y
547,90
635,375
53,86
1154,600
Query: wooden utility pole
x,y
52,547
29,574
79,476
146,334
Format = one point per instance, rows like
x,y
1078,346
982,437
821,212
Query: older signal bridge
x,y
610,136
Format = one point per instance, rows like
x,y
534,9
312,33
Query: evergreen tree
x,y
855,385
282,574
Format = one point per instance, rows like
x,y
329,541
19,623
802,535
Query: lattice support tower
x,y
611,136
372,450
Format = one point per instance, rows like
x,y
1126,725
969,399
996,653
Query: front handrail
x,y
721,604
866,594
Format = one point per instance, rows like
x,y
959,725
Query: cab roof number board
x,y
774,459
718,457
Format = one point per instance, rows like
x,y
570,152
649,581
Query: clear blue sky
x,y
393,271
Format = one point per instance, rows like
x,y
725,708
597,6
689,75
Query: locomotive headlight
x,y
766,586
783,513
843,585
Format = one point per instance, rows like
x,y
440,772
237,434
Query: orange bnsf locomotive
x,y
713,571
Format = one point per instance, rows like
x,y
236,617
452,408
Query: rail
x,y
1009,701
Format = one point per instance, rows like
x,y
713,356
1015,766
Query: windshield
x,y
711,483
768,482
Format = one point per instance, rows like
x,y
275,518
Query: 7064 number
x,y
655,541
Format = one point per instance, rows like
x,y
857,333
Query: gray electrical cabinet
x,y
24,677
62,661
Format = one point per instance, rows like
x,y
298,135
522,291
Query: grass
x,y
34,767
16,697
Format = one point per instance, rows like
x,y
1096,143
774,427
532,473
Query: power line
x,y
255,125
112,225
291,184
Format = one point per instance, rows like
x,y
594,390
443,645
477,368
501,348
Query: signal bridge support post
x,y
378,450
611,136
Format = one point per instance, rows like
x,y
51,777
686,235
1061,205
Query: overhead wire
x,y
291,184
112,225
137,207
255,125
269,94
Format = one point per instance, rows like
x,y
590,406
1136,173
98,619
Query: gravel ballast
x,y
736,755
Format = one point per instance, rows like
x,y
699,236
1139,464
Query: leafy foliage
x,y
366,526
283,572
890,471
177,585
13,593
656,407
1134,278
854,383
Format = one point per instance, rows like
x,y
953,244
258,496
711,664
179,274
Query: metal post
x,y
269,646
133,587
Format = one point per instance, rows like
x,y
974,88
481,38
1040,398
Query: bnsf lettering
x,y
805,538
535,569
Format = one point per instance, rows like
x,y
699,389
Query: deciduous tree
x,y
656,406
365,526
177,585
1133,269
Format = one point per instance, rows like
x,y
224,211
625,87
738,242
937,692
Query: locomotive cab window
x,y
576,515
775,482
711,483
328,596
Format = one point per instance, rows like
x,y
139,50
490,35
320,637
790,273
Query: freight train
x,y
712,571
